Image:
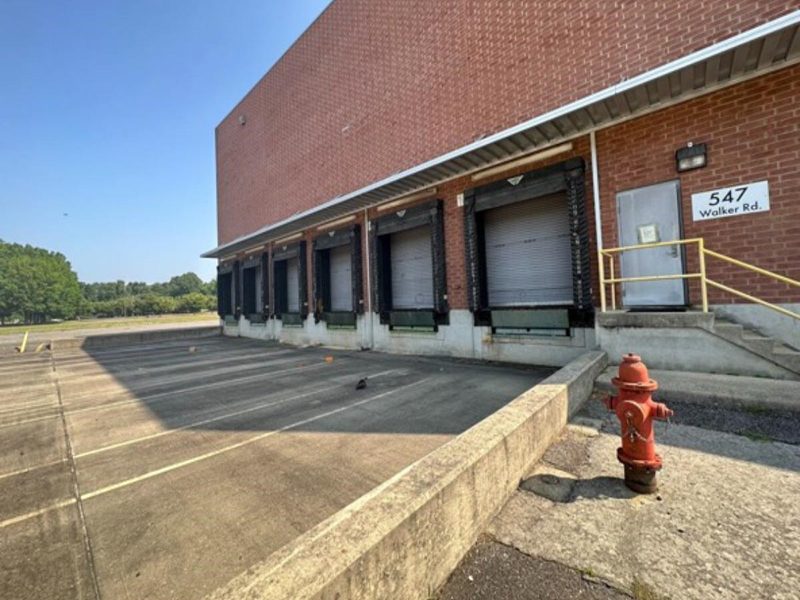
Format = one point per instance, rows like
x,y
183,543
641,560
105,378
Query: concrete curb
x,y
403,539
709,388
133,337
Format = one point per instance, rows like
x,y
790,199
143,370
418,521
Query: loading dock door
x,y
293,285
249,291
528,259
412,269
341,279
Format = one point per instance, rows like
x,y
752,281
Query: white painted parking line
x,y
161,396
205,456
67,374
247,442
222,417
36,513
31,469
113,379
199,423
31,407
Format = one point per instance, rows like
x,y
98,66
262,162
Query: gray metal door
x,y
528,259
293,285
646,215
341,279
412,268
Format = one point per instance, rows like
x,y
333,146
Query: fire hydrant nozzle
x,y
636,412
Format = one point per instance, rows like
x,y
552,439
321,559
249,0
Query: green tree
x,y
184,284
36,284
195,302
151,304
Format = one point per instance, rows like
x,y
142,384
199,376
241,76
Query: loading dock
x,y
337,266
408,250
225,300
289,277
192,466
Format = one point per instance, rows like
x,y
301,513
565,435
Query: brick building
x,y
437,177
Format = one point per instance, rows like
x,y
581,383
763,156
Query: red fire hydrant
x,y
636,411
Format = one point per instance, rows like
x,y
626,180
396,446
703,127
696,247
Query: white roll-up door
x,y
341,279
293,285
528,259
412,269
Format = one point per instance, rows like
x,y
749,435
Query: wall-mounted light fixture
x,y
693,156
242,119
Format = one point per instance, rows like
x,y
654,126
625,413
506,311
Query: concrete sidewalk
x,y
725,523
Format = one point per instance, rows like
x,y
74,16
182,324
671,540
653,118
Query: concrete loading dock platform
x,y
164,470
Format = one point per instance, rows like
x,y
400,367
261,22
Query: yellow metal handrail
x,y
702,253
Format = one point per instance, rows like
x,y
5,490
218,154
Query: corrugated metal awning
x,y
760,50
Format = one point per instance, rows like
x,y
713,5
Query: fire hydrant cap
x,y
633,374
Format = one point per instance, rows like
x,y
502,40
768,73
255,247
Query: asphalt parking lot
x,y
163,470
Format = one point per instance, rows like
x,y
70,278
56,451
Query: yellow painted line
x,y
24,343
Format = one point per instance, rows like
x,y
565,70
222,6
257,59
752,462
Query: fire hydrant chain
x,y
634,406
634,433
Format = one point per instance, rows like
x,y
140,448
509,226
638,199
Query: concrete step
x,y
785,350
728,328
763,346
733,390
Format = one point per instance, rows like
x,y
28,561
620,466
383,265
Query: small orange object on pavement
x,y
329,359
636,412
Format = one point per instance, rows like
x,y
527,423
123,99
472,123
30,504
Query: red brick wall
x,y
377,86
753,133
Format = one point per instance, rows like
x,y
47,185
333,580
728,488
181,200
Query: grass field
x,y
107,323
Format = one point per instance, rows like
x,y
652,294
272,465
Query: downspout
x,y
369,315
598,225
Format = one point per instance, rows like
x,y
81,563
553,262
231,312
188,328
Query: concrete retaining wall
x,y
134,337
403,539
680,341
458,339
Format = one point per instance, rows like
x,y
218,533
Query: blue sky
x,y
107,113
